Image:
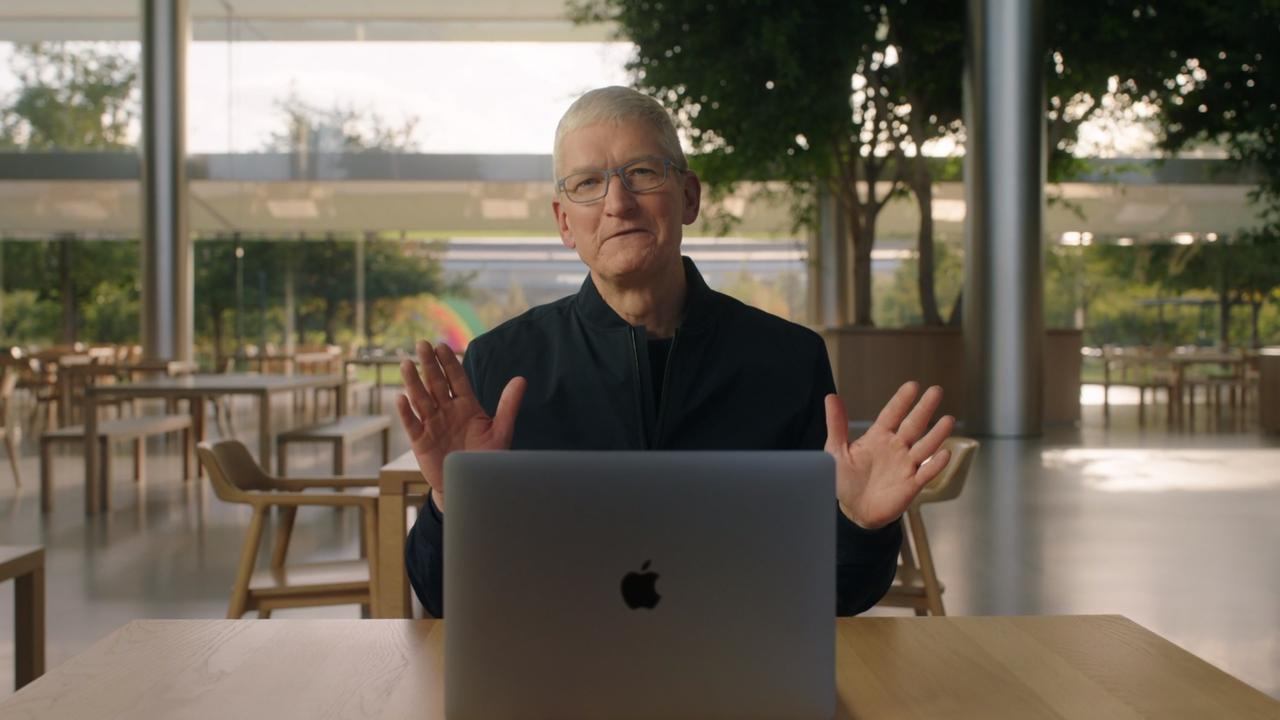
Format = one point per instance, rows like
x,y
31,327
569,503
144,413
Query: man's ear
x,y
692,197
562,224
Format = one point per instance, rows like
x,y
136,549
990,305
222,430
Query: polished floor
x,y
1176,529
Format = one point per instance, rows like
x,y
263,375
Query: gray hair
x,y
618,104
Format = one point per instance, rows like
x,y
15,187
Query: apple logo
x,y
638,589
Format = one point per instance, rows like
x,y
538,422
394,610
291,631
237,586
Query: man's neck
x,y
658,305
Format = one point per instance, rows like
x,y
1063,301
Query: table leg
x,y
393,586
377,389
340,401
264,432
92,499
195,405
28,628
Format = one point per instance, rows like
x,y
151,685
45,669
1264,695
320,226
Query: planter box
x,y
871,363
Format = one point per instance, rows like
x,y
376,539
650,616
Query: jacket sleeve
x,y
424,548
866,560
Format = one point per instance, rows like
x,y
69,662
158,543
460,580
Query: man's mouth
x,y
625,233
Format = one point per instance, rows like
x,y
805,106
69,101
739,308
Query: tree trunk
x,y
330,320
67,288
862,234
216,318
1256,308
922,187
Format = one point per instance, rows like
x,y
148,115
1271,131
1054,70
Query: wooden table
x,y
1269,389
1090,667
1181,361
25,566
378,362
197,389
397,481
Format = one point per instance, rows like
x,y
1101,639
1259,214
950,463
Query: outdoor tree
x,y
844,97
71,96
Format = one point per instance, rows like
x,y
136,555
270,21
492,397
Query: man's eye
x,y
641,172
587,183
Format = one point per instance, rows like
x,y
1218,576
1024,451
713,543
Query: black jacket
x,y
737,378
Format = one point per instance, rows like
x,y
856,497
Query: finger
x,y
930,470
837,421
431,372
417,393
412,425
898,406
918,420
930,443
504,420
459,384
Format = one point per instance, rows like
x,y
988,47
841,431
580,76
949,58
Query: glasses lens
x,y
585,186
643,175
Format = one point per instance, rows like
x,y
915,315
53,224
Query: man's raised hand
x,y
880,473
440,413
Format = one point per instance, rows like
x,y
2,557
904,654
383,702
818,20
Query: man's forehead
x,y
590,146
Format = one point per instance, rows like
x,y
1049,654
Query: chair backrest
x,y
948,484
232,470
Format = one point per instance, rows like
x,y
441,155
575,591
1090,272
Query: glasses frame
x,y
667,166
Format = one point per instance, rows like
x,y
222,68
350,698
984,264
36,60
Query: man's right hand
x,y
440,413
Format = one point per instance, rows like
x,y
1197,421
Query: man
x,y
645,355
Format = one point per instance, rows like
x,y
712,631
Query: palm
x,y
440,413
879,474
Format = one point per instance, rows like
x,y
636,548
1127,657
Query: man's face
x,y
624,237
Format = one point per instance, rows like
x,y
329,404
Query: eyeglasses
x,y
638,176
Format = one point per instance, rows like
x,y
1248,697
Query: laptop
x,y
629,584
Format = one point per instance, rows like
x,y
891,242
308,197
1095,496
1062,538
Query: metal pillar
x,y
830,271
167,318
1004,187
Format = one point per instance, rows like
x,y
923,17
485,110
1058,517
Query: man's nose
x,y
619,199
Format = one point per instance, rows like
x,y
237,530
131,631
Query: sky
x,y
468,97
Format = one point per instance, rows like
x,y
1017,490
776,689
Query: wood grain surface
x,y
948,667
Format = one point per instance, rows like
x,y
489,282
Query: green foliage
x,y
898,303
70,96
839,95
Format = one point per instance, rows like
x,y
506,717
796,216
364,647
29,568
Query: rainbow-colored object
x,y
454,321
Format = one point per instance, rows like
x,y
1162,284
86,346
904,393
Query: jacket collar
x,y
699,302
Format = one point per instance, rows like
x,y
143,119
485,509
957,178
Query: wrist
x,y
849,515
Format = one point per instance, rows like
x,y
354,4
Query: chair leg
x,y
284,531
107,453
139,458
932,588
386,445
340,457
248,554
186,453
264,613
46,475
12,449
282,457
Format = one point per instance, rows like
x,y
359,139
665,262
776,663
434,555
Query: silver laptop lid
x,y
640,584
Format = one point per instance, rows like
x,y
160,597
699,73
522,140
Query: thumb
x,y
504,420
837,421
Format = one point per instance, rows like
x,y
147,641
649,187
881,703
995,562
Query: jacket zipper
x,y
666,387
635,372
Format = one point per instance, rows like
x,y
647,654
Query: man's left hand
x,y
880,473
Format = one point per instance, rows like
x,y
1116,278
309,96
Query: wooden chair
x,y
237,478
916,585
11,432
